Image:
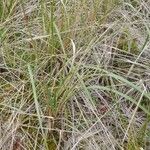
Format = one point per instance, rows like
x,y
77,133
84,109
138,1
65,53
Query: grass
x,y
74,75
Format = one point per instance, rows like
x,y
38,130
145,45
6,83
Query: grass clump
x,y
74,75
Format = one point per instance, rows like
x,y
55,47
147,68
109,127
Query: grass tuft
x,y
74,75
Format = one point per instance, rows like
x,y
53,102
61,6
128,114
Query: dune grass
x,y
74,75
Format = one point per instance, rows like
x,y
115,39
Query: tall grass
x,y
74,74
